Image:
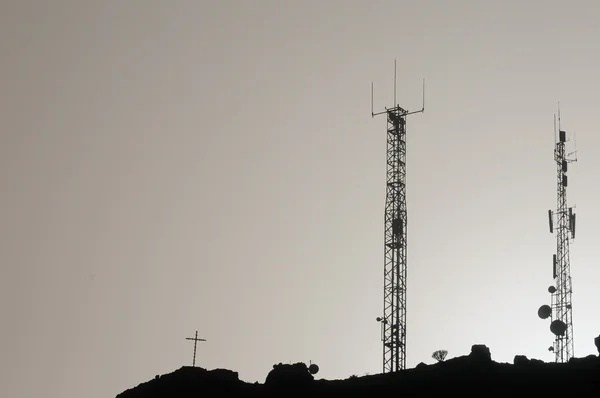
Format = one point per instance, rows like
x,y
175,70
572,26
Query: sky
x,y
169,167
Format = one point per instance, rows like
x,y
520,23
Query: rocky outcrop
x,y
187,380
480,353
294,376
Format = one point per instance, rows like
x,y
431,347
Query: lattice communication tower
x,y
560,309
393,322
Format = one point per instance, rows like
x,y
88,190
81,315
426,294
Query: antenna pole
x,y
393,321
555,129
395,83
372,114
423,107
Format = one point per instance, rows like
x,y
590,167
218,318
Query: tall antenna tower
x,y
393,322
560,308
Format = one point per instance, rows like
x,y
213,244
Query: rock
x,y
597,342
421,365
585,362
521,360
480,352
223,375
294,376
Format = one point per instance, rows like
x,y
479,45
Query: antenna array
x,y
393,321
560,308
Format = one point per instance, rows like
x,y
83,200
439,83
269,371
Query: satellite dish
x,y
558,327
545,311
551,289
313,369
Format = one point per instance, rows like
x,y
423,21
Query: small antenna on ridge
x,y
423,108
372,112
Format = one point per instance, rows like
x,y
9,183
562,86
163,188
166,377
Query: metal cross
x,y
196,340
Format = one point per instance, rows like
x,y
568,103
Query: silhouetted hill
x,y
474,375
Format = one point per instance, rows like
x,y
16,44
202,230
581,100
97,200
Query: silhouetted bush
x,y
439,355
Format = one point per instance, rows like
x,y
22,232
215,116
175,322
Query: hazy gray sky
x,y
173,166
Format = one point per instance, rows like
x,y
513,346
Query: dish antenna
x,y
545,311
558,327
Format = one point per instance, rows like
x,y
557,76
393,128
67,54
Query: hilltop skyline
x,y
170,167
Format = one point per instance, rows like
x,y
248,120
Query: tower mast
x,y
560,309
393,322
